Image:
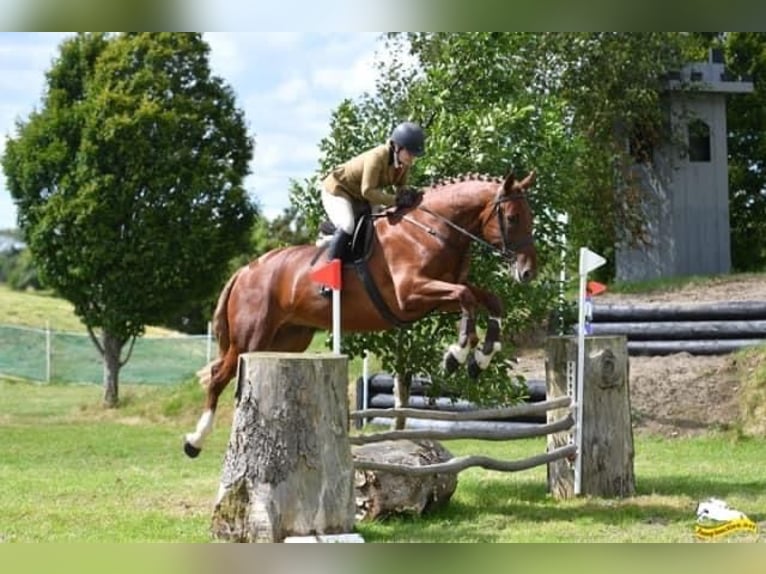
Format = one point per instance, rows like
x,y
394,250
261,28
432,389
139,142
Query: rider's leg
x,y
340,210
338,244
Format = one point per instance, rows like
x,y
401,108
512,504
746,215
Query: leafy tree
x,y
129,183
746,118
562,104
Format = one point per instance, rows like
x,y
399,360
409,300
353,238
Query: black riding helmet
x,y
411,137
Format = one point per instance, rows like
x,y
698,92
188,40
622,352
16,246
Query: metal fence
x,y
58,356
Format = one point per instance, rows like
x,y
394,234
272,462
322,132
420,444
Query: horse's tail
x,y
220,330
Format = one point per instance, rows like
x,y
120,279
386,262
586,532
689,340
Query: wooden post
x,y
288,469
607,434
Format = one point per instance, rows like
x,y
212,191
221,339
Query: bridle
x,y
508,250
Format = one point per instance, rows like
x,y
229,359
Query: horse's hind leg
x,y
291,338
222,372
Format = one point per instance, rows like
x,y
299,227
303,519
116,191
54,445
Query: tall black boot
x,y
337,245
335,250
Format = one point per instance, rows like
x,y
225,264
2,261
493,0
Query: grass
x,y
156,359
72,471
671,284
41,309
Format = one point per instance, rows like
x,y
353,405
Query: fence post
x,y
607,435
48,357
208,351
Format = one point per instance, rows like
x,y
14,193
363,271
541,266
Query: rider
x,y
362,180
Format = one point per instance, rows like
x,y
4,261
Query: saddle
x,y
360,244
356,254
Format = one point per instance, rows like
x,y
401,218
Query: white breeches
x,y
340,210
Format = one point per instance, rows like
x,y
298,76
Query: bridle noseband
x,y
509,249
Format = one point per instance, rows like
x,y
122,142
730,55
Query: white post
x,y
47,352
336,321
563,220
588,262
365,383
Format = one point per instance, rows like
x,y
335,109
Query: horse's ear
x,y
529,180
508,180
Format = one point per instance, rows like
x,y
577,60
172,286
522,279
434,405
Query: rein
x,y
508,250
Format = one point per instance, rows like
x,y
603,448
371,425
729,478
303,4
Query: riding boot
x,y
335,250
337,245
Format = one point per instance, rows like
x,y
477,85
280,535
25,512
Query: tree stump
x,y
607,433
288,469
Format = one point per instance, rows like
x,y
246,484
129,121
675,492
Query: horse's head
x,y
509,226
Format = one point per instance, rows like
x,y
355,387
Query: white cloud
x,y
292,91
288,84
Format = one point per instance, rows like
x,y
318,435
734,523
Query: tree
x,y
558,103
746,117
129,183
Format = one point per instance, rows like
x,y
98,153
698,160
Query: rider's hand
x,y
408,197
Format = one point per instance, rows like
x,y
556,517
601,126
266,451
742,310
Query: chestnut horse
x,y
418,262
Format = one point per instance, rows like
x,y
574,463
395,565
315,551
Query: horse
x,y
417,262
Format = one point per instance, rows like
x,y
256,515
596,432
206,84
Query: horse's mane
x,y
442,182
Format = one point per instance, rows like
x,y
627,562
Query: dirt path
x,y
679,394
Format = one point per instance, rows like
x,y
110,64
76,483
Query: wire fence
x,y
58,356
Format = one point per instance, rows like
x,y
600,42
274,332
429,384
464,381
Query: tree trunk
x,y
607,433
112,351
402,384
288,469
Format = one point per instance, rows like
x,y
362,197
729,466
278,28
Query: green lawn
x,y
71,471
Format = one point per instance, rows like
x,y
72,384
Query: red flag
x,y
329,274
595,288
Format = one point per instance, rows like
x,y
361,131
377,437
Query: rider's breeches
x,y
340,210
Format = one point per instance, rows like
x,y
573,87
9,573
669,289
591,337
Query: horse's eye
x,y
513,219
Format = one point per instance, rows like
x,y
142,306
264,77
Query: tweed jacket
x,y
366,176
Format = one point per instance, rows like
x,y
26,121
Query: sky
x,y
287,83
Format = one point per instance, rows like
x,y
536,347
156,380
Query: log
x,y
443,404
387,481
607,433
718,311
680,330
496,433
288,469
383,383
719,347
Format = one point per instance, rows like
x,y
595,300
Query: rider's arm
x,y
372,176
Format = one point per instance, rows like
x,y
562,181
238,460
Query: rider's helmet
x,y
411,137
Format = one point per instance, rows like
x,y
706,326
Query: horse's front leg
x,y
482,356
433,294
457,353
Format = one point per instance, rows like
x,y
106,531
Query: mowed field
x,y
73,471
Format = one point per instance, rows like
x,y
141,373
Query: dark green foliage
x,y
561,104
746,120
129,179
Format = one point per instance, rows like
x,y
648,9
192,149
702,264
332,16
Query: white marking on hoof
x,y
483,360
460,353
204,426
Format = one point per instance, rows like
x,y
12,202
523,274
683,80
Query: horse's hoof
x,y
191,450
450,363
474,370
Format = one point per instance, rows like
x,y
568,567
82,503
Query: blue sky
x,y
288,83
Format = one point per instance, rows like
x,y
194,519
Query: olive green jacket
x,y
366,176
